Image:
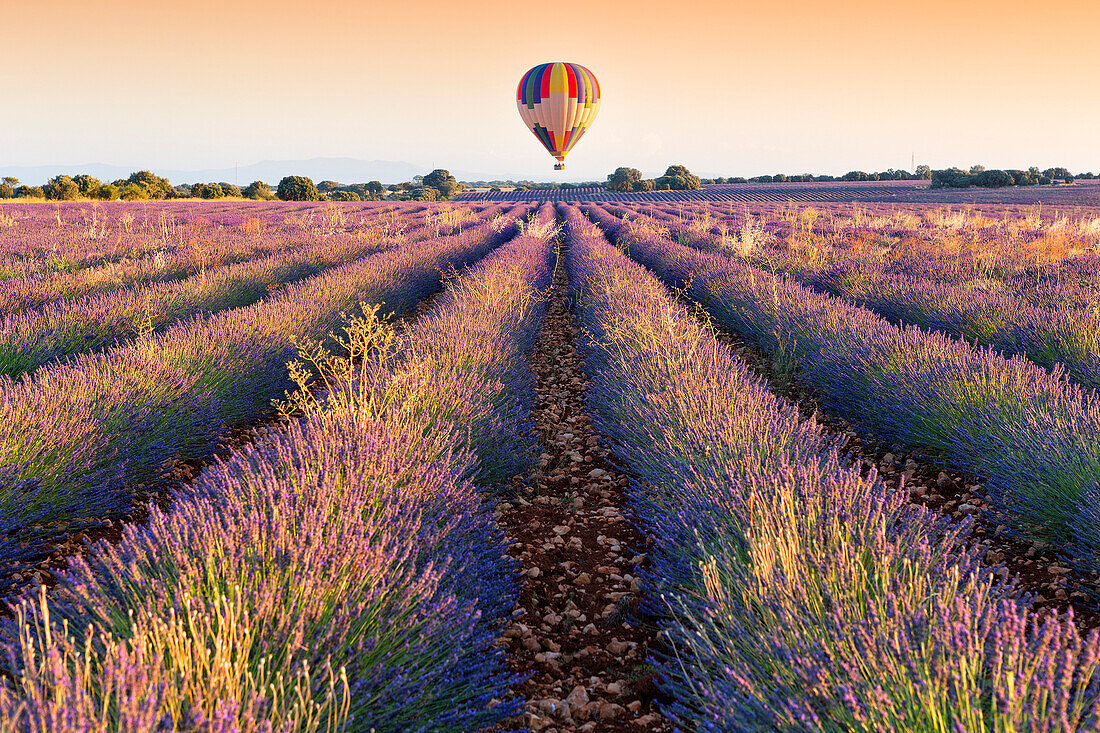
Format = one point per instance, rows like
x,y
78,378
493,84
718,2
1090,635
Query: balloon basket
x,y
559,167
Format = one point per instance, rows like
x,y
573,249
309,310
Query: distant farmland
x,y
1081,193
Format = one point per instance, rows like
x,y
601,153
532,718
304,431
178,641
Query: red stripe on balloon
x,y
571,74
545,81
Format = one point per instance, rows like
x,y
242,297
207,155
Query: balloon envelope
x,y
558,102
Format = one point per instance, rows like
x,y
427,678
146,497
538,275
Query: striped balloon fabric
x,y
558,102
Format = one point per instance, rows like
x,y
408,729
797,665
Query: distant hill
x,y
343,170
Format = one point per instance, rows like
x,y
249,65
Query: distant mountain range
x,y
342,170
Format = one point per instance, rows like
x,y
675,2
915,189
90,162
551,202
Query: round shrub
x,y
107,192
297,188
258,190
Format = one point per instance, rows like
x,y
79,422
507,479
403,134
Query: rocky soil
x,y
577,631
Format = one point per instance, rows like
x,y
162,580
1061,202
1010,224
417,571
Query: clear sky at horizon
x,y
726,88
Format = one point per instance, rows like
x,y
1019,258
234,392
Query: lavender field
x,y
1083,193
787,457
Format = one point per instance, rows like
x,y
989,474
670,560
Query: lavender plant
x,y
70,251
1032,435
799,594
352,540
31,338
85,433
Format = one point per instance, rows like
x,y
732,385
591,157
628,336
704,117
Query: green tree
x,y
6,191
29,192
297,188
133,192
923,173
976,169
372,191
952,178
11,182
678,178
230,190
61,188
87,185
155,186
993,179
424,193
623,180
646,184
207,191
344,196
258,190
107,192
443,182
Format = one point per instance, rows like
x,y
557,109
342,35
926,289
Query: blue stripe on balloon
x,y
534,86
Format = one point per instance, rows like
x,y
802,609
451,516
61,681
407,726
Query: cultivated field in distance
x,y
751,457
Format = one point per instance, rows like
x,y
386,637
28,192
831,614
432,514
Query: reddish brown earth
x,y
577,632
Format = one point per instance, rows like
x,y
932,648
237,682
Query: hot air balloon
x,y
558,102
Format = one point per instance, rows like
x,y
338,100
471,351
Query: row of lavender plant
x,y
1050,276
1054,321
31,338
1033,436
38,240
811,242
184,248
65,237
1050,337
1060,289
341,573
77,438
798,594
475,345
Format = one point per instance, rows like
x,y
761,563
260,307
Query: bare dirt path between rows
x,y
577,633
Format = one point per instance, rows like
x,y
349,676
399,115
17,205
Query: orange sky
x,y
725,88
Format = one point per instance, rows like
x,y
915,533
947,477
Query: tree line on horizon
x,y
676,178
977,175
439,185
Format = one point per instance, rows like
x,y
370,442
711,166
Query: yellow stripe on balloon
x,y
559,79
